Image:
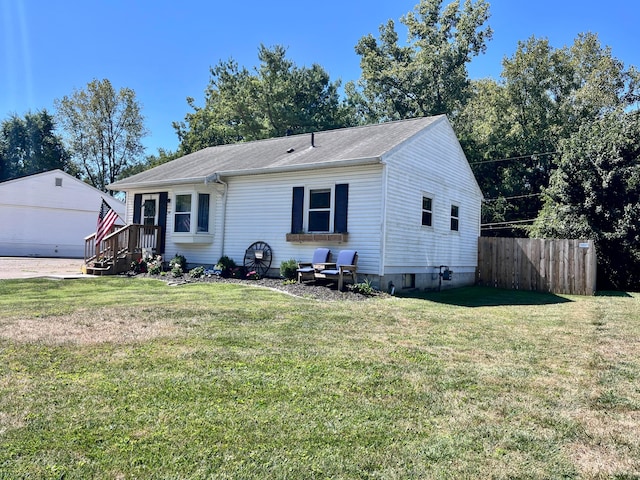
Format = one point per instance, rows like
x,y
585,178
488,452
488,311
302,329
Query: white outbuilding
x,y
49,215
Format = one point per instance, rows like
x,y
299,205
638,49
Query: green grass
x,y
128,378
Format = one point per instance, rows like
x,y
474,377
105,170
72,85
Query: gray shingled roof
x,y
343,146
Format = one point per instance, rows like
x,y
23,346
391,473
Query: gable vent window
x,y
58,182
455,218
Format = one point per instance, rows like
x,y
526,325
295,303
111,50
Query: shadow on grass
x,y
486,297
613,293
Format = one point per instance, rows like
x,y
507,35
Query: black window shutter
x,y
297,210
342,203
137,208
162,220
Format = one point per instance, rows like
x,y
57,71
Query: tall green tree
x,y
103,129
595,193
274,99
30,145
150,161
428,75
543,96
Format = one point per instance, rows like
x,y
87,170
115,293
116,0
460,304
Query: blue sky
x,y
163,49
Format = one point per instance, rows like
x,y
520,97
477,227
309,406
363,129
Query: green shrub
x,y
288,268
238,272
226,265
196,272
139,266
364,288
178,265
178,260
154,265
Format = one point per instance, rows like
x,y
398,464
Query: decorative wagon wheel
x,y
257,258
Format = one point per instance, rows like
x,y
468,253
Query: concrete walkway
x,y
34,267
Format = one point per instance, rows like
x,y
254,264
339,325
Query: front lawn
x,y
130,378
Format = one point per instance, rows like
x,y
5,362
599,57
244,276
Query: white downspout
x,y
383,223
215,178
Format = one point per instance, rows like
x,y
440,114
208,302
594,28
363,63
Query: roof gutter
x,y
216,176
123,186
302,167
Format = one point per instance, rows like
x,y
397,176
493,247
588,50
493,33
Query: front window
x,y
320,210
427,211
455,218
192,210
203,212
183,214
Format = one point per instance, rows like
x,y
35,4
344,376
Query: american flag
x,y
106,218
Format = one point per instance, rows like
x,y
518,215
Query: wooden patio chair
x,y
344,268
307,270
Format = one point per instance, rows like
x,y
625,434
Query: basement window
x,y
408,280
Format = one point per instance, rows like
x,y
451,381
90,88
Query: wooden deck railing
x,y
132,238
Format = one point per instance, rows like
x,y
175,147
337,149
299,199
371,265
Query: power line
x,y
505,227
512,222
531,156
513,197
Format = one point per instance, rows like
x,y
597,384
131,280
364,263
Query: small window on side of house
x,y
427,211
58,182
455,218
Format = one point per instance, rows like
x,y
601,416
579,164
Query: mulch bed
x,y
316,290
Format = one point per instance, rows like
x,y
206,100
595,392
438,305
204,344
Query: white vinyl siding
x,y
430,162
259,209
41,216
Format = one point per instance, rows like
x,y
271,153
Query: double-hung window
x,y
427,211
321,209
188,207
319,218
182,217
455,218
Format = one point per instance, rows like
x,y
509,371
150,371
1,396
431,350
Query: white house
x,y
49,214
400,193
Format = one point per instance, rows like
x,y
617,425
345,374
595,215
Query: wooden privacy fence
x,y
545,265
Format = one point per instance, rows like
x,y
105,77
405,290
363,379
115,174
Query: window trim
x,y
338,216
199,215
308,210
176,213
423,211
193,235
455,219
